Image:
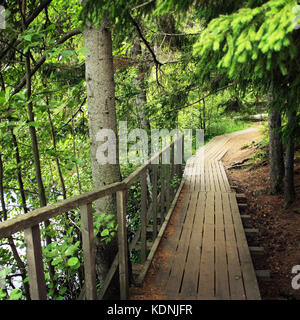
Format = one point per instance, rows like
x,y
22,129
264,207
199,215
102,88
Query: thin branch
x,y
145,41
211,93
74,115
143,5
36,67
34,14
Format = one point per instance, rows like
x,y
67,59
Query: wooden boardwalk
x,y
207,251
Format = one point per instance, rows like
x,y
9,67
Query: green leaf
x,y
15,294
62,290
70,251
3,273
56,261
70,166
67,53
33,124
72,262
28,37
2,294
105,233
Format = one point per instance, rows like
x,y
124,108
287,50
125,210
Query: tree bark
x,y
275,153
139,82
289,187
19,170
102,115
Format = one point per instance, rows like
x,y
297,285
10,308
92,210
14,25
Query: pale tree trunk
x,y
139,82
289,187
102,115
275,152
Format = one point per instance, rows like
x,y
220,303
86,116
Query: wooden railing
x,y
157,203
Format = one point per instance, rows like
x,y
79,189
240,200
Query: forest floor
x,y
279,228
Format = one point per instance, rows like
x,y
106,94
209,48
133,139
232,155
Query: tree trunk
x,y
102,115
19,171
289,187
53,135
275,153
139,82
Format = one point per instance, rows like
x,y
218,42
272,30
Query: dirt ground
x,y
279,228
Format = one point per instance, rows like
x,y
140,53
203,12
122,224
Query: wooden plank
x,y
122,244
220,177
162,192
211,186
158,238
236,286
215,177
37,284
170,245
189,286
222,278
207,265
225,179
252,232
250,281
168,187
202,177
257,251
88,246
143,217
206,176
172,169
263,275
177,271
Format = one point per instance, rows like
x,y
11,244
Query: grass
x,y
225,125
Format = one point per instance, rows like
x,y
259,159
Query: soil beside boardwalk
x,y
279,228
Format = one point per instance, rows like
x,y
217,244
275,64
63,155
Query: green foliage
x,y
253,44
105,224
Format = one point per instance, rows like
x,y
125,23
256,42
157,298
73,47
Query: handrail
x,y
32,218
29,223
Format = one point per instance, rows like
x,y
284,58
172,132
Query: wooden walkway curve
x,y
207,252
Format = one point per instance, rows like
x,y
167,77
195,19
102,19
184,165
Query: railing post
x,y
122,244
143,217
88,244
182,160
154,200
172,160
162,191
37,284
168,186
